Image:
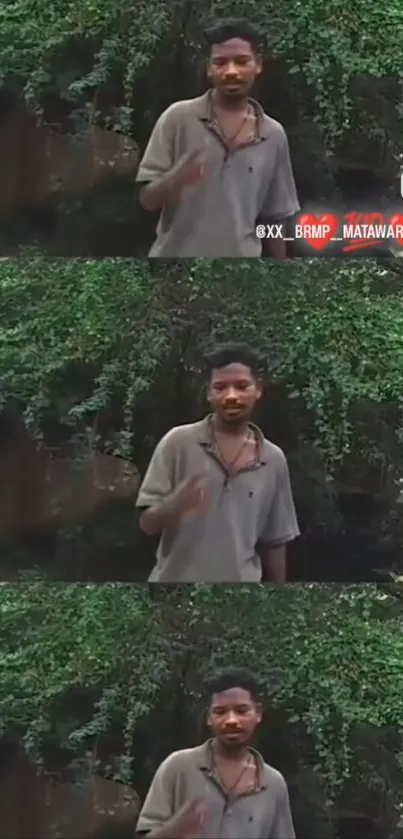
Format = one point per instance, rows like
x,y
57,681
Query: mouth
x,y
232,412
232,86
232,735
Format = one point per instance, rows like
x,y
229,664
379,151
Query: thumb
x,y
200,808
195,482
196,157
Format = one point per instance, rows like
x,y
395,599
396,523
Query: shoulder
x,y
275,131
275,779
177,436
178,111
273,454
273,125
176,763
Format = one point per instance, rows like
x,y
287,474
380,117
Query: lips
x,y
232,415
232,733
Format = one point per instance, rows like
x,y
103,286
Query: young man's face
x,y
232,68
233,717
233,392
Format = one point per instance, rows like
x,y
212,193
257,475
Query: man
x,y
222,789
217,165
216,491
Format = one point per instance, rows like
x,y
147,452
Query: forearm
x,y
277,248
156,519
166,831
274,563
274,248
156,195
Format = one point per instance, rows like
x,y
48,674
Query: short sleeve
x,y
281,201
159,805
281,524
283,827
159,479
158,157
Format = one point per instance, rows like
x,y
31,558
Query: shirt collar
x,y
205,437
204,759
204,110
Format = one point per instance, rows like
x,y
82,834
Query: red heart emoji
x,y
397,223
318,230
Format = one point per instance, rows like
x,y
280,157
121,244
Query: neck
x,y
235,755
232,430
227,104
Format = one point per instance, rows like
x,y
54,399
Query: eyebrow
x,y
233,381
237,55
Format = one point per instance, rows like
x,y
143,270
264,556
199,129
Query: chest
x,y
235,455
236,130
237,781
240,493
248,814
242,163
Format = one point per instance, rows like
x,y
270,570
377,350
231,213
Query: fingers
x,y
199,808
195,482
195,155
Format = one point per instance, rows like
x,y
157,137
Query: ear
x,y
259,65
259,711
259,387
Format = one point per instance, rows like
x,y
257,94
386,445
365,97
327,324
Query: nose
x,y
231,71
231,394
231,718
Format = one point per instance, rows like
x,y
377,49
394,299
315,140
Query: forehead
x,y
232,696
233,48
232,373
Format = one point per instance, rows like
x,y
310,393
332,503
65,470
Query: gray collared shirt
x,y
218,217
188,774
248,507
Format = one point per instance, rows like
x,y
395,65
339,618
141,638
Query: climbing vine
x,y
101,334
329,657
78,336
74,49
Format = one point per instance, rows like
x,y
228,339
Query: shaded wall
x,y
37,486
32,804
39,163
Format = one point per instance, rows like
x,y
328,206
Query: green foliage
x,y
95,335
329,657
330,330
78,335
39,46
102,640
327,654
327,45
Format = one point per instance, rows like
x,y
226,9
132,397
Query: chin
x,y
235,745
243,90
235,420
234,94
